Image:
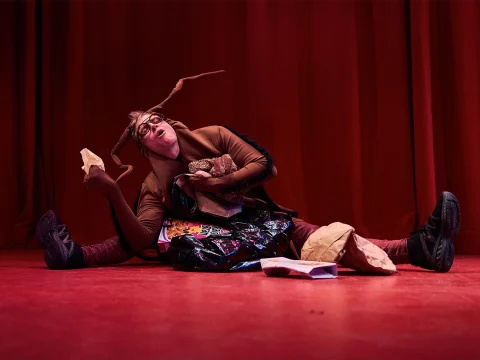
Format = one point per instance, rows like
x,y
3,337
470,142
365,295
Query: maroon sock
x,y
396,249
300,233
107,252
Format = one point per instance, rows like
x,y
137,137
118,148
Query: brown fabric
x,y
152,205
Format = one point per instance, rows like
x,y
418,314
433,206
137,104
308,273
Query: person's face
x,y
157,135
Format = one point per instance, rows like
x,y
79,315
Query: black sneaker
x,y
61,251
431,246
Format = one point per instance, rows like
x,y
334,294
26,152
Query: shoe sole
x,y
53,252
450,215
444,250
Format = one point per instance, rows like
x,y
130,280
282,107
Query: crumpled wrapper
x,y
89,159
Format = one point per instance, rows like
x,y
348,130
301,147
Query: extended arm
x,y
139,232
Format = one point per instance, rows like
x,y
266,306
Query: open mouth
x,y
160,133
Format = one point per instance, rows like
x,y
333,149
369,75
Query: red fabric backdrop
x,y
369,108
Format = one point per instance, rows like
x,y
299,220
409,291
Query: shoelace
x,y
426,229
64,234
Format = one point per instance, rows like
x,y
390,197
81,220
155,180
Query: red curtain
x,y
369,108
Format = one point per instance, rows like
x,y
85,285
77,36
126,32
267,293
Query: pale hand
x,y
202,174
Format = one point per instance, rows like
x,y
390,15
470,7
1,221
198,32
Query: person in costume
x,y
171,147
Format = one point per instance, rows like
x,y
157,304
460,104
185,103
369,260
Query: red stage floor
x,y
152,312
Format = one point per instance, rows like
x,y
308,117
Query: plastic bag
x,y
256,234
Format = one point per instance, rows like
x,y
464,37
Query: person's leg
x,y
396,250
63,253
108,252
299,235
430,247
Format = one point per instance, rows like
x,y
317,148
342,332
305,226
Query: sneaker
x,y
61,252
431,246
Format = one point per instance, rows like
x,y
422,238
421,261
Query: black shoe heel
x,y
444,255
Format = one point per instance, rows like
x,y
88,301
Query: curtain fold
x,y
369,108
445,60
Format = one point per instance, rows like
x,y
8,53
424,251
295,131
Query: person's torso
x,y
198,144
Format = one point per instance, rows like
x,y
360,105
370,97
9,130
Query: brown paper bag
x,y
338,243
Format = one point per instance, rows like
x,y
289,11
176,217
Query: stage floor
x,y
147,311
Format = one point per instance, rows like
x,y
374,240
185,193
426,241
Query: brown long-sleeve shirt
x,y
207,142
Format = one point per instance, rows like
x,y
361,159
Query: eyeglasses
x,y
145,126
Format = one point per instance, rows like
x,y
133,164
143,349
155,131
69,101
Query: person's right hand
x,y
202,174
99,180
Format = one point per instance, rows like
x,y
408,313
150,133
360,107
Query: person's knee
x,y
143,244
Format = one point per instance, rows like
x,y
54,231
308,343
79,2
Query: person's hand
x,y
203,181
99,180
202,174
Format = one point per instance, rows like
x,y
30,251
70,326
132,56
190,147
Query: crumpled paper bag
x,y
89,159
339,243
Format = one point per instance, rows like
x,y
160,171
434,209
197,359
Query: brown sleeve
x,y
150,211
252,165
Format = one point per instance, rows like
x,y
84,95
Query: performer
x,y
170,147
